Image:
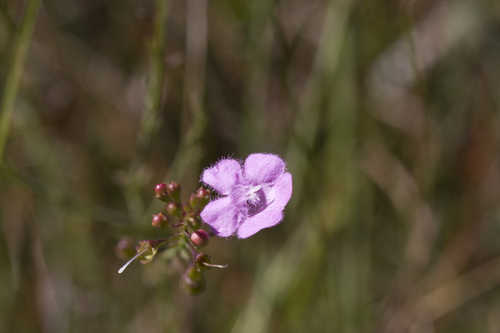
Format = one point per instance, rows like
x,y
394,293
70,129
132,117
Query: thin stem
x,y
156,78
190,152
15,71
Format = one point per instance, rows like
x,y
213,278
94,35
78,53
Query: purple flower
x,y
252,197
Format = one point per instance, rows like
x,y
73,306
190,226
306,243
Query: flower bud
x,y
161,191
159,220
174,191
173,209
199,199
193,280
199,237
125,248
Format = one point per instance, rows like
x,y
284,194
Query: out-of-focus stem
x,y
258,58
156,78
278,274
149,124
189,154
15,71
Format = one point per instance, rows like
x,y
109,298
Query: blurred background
x,y
387,113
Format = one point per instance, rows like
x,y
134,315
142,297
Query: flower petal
x,y
265,219
279,192
282,190
222,216
223,175
263,168
273,214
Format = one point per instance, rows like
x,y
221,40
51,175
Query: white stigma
x,y
124,267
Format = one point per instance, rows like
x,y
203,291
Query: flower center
x,y
253,197
250,197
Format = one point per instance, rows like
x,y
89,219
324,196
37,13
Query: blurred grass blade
x,y
149,123
15,72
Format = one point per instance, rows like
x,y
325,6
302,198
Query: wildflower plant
x,y
251,196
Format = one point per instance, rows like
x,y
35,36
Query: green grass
x,y
386,112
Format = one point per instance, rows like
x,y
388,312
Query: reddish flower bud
x,y
199,199
199,237
159,220
173,209
174,191
161,191
203,193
